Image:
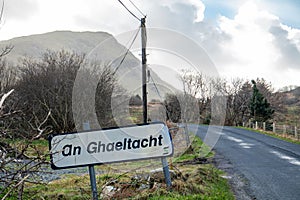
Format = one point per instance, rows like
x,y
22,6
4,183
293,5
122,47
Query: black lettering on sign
x,y
136,144
69,150
144,143
110,146
92,147
126,144
119,146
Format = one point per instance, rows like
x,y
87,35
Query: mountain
x,y
100,46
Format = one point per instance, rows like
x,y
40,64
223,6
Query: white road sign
x,y
111,145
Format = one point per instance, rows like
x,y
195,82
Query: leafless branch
x,y
4,97
11,189
39,128
6,50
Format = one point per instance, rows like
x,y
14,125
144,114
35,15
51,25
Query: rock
x,y
158,175
108,192
144,186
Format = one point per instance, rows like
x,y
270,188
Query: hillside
x,y
290,101
99,46
292,98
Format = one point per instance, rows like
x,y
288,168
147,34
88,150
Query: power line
x,y
137,8
129,10
2,11
156,88
127,51
158,93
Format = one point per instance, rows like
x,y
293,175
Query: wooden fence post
x,y
274,128
264,126
296,134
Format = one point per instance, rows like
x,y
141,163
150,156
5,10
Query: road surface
x,y
269,167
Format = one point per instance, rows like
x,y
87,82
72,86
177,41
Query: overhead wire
x,y
158,93
129,10
1,12
135,36
127,51
122,60
137,8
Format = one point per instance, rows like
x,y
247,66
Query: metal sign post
x,y
166,171
86,127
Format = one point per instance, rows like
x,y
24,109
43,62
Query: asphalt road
x,y
269,167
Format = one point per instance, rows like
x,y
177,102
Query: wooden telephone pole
x,y
144,70
164,161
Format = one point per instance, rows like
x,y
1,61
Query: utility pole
x,y
144,70
164,161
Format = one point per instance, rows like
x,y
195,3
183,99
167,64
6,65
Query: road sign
x,y
110,145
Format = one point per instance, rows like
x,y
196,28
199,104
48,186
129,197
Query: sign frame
x,y
103,131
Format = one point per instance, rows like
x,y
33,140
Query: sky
x,y
243,38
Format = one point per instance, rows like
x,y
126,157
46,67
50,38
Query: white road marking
x,y
234,139
291,160
241,142
226,177
246,145
220,133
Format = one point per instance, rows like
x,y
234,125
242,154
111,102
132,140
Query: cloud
x,y
112,17
250,42
34,16
245,41
195,7
19,10
254,44
290,55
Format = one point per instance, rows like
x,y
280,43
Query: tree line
x,y
246,100
41,101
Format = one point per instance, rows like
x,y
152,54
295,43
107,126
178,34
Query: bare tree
x,y
197,87
236,102
47,85
16,165
173,108
243,102
40,102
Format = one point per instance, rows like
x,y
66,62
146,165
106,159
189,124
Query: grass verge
x,y
281,137
193,177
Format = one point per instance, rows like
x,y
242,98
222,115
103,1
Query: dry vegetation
x,y
192,178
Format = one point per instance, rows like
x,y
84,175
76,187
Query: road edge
x,y
237,181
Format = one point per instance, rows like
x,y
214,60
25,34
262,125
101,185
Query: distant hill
x,y
86,42
35,45
292,97
290,102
